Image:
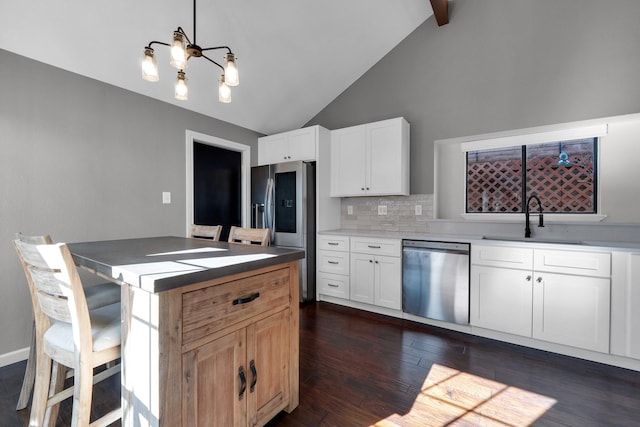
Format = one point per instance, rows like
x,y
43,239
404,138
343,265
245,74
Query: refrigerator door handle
x,y
269,208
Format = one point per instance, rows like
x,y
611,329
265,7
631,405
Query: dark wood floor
x,y
361,369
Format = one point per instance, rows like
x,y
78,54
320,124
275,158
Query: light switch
x,y
349,209
166,197
382,209
418,210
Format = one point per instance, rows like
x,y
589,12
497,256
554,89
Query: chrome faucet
x,y
527,229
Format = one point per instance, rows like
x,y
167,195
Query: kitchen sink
x,y
534,240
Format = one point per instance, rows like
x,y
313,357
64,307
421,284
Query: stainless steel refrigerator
x,y
283,199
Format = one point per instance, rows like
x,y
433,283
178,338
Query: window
x,y
562,174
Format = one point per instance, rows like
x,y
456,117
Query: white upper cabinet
x,y
299,144
371,159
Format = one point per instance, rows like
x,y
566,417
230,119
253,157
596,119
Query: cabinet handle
x,y
332,285
374,246
528,278
333,243
247,299
254,375
376,262
362,188
243,382
333,262
370,260
539,280
367,188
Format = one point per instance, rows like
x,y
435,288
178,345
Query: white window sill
x,y
550,218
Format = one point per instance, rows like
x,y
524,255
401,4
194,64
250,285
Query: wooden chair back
x,y
211,232
60,306
250,236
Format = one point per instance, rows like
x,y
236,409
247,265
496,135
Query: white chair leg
x,y
41,390
29,373
58,376
82,393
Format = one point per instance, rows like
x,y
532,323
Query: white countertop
x,y
588,245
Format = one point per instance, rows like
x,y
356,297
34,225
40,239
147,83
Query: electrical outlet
x,y
166,198
382,209
418,210
349,209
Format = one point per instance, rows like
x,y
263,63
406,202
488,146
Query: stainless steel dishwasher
x,y
435,280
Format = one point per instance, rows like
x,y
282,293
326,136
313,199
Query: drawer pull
x,y
333,243
254,376
333,262
333,285
247,299
243,382
374,246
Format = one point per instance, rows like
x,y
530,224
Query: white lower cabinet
x,y
572,310
625,304
564,308
361,269
501,299
375,278
333,266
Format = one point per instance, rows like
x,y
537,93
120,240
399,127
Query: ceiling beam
x,y
441,11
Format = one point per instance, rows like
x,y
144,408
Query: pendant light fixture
x,y
181,50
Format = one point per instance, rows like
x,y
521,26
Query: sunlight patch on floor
x,y
454,398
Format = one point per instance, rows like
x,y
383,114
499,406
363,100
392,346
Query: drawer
x,y
333,262
333,243
597,264
211,309
373,246
502,256
334,285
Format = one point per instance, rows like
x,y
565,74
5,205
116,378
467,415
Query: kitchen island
x,y
209,329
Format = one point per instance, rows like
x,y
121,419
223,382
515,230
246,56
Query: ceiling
x,y
294,56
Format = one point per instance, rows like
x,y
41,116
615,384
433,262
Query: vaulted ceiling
x,y
294,56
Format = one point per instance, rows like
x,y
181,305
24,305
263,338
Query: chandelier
x,y
181,50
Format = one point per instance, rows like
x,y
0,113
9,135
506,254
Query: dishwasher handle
x,y
425,245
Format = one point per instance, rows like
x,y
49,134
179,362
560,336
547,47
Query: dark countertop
x,y
157,264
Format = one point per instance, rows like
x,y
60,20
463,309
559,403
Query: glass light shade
x,y
182,91
224,91
178,52
231,70
149,66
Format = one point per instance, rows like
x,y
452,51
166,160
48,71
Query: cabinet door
x,y
388,282
501,299
386,158
348,162
273,149
212,384
302,144
267,367
572,310
625,304
362,276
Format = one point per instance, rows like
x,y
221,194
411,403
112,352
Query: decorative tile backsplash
x,y
400,213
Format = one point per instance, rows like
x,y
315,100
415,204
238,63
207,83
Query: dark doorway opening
x,y
217,179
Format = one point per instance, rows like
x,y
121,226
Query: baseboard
x,y
14,356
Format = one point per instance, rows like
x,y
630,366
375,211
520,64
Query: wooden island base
x,y
223,352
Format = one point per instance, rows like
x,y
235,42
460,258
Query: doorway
x,y
217,182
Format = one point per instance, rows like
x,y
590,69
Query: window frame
x,y
562,133
524,180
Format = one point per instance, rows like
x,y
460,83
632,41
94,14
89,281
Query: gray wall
x,y
82,160
500,65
